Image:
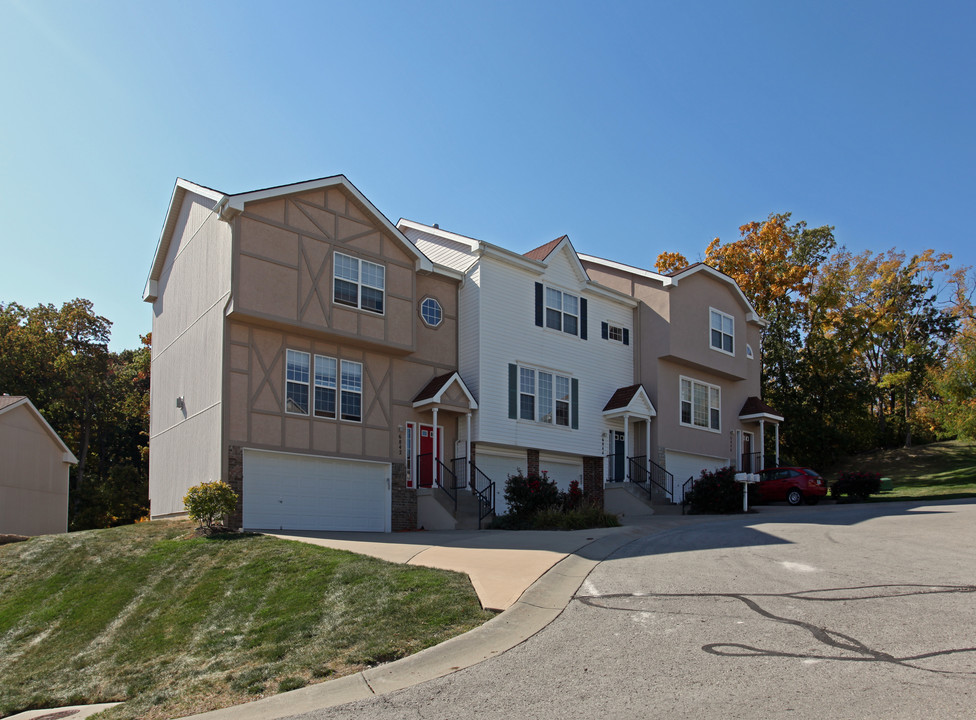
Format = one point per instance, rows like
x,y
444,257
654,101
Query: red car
x,y
792,484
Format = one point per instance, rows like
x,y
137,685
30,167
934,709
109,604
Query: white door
x,y
685,465
303,492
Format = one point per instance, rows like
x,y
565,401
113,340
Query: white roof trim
x,y
663,279
236,203
632,409
455,378
431,230
66,454
751,315
763,416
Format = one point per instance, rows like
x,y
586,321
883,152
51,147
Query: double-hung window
x,y
544,397
562,311
358,283
325,386
319,380
701,405
722,335
351,396
296,382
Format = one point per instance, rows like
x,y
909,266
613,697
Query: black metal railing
x,y
448,482
751,462
459,466
648,475
686,487
615,474
484,489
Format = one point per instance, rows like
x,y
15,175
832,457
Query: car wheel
x,y
794,497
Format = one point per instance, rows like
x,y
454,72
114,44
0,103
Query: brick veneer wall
x,y
532,461
404,500
593,479
235,478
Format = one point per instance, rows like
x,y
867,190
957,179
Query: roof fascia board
x,y
66,454
436,398
512,258
235,206
566,245
663,279
762,416
430,230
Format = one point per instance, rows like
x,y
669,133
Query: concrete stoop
x,y
435,510
631,503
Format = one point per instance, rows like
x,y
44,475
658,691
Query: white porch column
x,y
433,464
762,444
777,444
627,448
470,456
647,441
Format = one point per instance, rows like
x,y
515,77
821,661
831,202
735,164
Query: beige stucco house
x,y
296,335
34,465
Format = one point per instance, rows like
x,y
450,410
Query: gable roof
x,y
755,409
543,251
229,206
9,402
632,399
433,391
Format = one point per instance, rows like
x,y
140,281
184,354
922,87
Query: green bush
x,y
529,495
717,492
856,486
210,502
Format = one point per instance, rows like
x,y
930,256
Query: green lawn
x,y
937,471
174,624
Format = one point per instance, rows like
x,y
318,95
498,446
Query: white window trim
x,y
359,284
440,311
310,386
709,387
554,401
749,353
619,328
732,334
562,313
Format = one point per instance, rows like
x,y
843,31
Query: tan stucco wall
x,y
33,477
185,444
283,267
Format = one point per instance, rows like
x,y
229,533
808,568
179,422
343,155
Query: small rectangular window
x,y
562,311
722,332
526,394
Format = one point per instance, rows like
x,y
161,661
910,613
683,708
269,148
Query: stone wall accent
x,y
593,479
235,478
532,460
404,500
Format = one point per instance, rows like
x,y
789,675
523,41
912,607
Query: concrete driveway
x,y
845,611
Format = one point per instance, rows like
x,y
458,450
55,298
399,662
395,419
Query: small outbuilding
x,y
34,464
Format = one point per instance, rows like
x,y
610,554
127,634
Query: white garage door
x,y
302,492
562,470
498,467
684,465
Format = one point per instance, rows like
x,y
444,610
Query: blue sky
x,y
635,127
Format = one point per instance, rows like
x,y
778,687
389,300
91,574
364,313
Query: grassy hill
x,y
175,624
937,471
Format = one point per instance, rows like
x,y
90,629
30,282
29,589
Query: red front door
x,y
426,467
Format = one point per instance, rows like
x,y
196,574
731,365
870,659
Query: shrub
x,y
573,498
717,492
528,495
209,502
856,485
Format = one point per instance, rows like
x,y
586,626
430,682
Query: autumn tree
x,y
668,262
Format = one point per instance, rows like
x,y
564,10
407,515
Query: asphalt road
x,y
832,611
